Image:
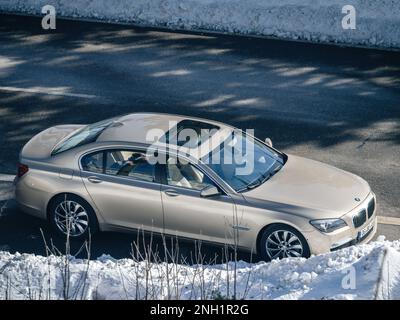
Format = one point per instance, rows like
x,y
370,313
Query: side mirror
x,y
268,142
209,191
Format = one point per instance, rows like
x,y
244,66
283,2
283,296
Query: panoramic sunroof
x,y
189,133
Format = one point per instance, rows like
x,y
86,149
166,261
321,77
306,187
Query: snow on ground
x,y
6,187
369,271
376,268
6,192
378,21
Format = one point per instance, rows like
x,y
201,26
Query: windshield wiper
x,y
257,182
264,177
245,182
253,184
270,174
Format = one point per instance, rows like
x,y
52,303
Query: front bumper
x,y
320,242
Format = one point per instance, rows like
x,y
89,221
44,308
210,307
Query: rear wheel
x,y
72,216
282,241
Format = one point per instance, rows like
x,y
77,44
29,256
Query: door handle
x,y
95,180
171,193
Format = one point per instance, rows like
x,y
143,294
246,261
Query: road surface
x,y
336,105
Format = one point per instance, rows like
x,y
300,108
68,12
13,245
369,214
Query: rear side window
x,y
128,163
84,136
93,162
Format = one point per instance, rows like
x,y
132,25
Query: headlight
x,y
328,225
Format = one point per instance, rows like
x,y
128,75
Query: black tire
x,y
268,232
92,224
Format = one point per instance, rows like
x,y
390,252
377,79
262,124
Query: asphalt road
x,y
336,105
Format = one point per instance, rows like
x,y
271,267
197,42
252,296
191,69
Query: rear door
x,y
124,188
187,213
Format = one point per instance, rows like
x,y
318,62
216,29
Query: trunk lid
x,y
42,144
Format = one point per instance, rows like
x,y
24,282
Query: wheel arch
x,y
60,194
261,231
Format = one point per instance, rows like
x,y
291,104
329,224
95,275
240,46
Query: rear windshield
x,y
84,136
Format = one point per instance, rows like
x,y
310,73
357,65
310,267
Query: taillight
x,y
22,169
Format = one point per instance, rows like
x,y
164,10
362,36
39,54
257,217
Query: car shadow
x,y
26,234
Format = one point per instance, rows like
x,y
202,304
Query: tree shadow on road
x,y
296,93
325,94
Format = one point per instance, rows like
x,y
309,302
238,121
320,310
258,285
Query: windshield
x,y
84,136
243,162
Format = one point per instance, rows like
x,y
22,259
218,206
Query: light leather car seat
x,y
175,174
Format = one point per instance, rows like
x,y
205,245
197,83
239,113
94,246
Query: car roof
x,y
136,127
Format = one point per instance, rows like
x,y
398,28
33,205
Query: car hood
x,y
42,144
327,191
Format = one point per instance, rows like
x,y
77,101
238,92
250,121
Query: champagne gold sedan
x,y
137,172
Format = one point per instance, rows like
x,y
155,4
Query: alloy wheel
x,y
71,218
283,244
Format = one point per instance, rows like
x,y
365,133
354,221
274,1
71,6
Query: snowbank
x,y
374,269
6,188
378,21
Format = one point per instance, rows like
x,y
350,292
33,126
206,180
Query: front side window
x,y
128,163
185,175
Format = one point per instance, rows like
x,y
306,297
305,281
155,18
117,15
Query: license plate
x,y
365,230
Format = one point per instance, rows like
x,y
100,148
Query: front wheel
x,y
71,216
282,241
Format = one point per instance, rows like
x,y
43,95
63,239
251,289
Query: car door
x,y
187,213
124,188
